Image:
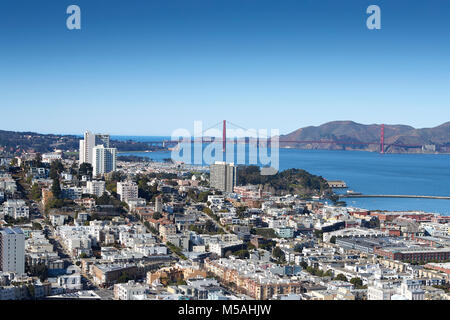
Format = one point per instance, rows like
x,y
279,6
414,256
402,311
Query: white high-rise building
x,y
96,187
223,176
103,160
127,190
12,250
89,142
158,204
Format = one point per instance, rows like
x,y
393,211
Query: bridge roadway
x,y
392,196
246,140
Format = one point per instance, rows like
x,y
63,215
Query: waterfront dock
x,y
392,196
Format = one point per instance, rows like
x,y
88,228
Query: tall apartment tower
x,y
223,176
127,190
103,160
12,250
89,142
158,204
102,139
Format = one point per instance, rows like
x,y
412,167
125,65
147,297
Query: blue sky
x,y
150,67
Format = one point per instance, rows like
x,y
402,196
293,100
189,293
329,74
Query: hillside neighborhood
x,y
94,227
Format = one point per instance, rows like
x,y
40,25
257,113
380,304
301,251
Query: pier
x,y
337,184
392,196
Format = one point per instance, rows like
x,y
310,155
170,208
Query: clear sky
x,y
149,67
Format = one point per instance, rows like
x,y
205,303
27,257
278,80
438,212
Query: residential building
x,y
223,176
167,230
127,190
158,204
12,250
16,209
103,160
95,187
49,157
89,142
128,291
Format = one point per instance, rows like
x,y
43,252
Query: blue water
x,y
370,173
140,138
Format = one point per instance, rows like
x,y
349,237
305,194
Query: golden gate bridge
x,y
266,141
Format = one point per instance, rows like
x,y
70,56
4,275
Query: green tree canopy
x,y
85,170
36,192
341,277
56,189
157,215
357,282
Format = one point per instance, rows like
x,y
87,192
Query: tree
x,y
357,282
210,227
278,254
333,239
13,162
56,168
116,176
311,270
85,170
39,270
36,226
242,254
298,247
54,203
73,169
374,223
318,234
35,192
207,210
56,189
176,250
124,277
288,181
203,196
267,233
37,161
157,215
240,212
145,190
341,277
103,200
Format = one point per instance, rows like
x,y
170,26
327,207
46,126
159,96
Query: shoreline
x,y
146,151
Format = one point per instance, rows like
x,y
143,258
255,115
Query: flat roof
x,y
12,230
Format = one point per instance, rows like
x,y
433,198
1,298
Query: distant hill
x,y
335,135
15,143
349,135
